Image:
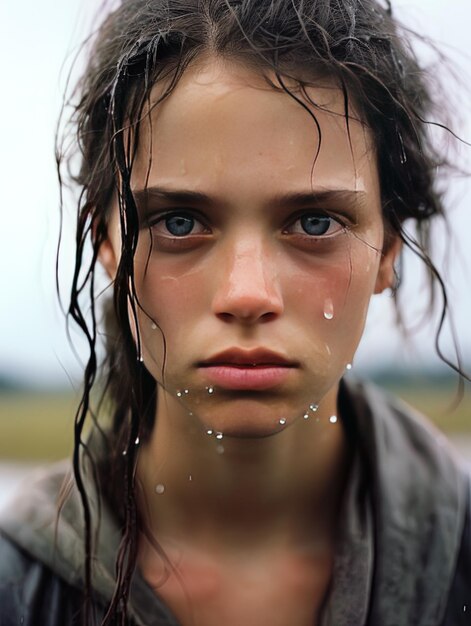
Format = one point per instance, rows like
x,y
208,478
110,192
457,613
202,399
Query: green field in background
x,y
37,426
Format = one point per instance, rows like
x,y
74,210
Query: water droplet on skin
x,y
141,359
333,419
209,432
220,449
329,310
219,435
179,394
186,391
125,452
283,421
136,441
348,366
313,407
306,416
159,488
210,389
190,477
153,326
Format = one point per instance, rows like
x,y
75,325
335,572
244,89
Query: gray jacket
x,y
412,486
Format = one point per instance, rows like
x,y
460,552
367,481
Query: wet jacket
x,y
417,491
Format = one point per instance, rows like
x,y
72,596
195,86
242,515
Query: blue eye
x,y
315,224
179,225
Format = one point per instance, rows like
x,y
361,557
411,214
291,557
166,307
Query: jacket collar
x,y
419,500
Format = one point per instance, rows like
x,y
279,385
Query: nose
x,y
248,288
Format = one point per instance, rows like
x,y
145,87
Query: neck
x,y
282,488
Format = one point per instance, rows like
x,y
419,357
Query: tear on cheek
x,y
328,309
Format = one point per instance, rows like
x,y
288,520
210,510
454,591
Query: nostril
x,y
247,305
247,317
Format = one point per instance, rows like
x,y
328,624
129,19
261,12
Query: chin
x,y
254,430
249,418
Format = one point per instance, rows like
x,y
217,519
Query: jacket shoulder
x,y
420,493
458,612
31,594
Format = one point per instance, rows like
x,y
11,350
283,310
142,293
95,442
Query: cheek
x,y
171,302
350,298
330,284
329,300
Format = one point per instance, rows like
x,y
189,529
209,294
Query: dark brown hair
x,y
357,43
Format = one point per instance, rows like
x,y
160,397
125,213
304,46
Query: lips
x,y
256,369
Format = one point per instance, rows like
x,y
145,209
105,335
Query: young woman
x,y
246,170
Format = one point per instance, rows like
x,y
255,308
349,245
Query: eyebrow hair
x,y
320,196
141,196
294,199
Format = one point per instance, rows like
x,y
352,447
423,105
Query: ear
x,y
107,253
386,278
106,232
107,258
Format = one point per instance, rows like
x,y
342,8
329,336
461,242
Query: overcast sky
x,y
35,39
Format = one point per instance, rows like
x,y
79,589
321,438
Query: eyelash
x,y
186,241
319,216
178,214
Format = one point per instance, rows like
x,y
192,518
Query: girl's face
x,y
260,246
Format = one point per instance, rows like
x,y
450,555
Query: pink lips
x,y
255,370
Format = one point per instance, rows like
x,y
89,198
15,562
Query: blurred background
x,y
40,372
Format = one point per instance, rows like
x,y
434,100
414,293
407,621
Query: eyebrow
x,y
295,199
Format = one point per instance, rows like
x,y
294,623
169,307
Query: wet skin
x,y
247,275
249,245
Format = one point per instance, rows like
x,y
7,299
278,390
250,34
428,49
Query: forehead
x,y
225,128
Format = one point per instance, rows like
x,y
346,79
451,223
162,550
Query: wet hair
x,y
356,43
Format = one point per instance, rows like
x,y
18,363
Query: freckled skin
x,y
250,277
